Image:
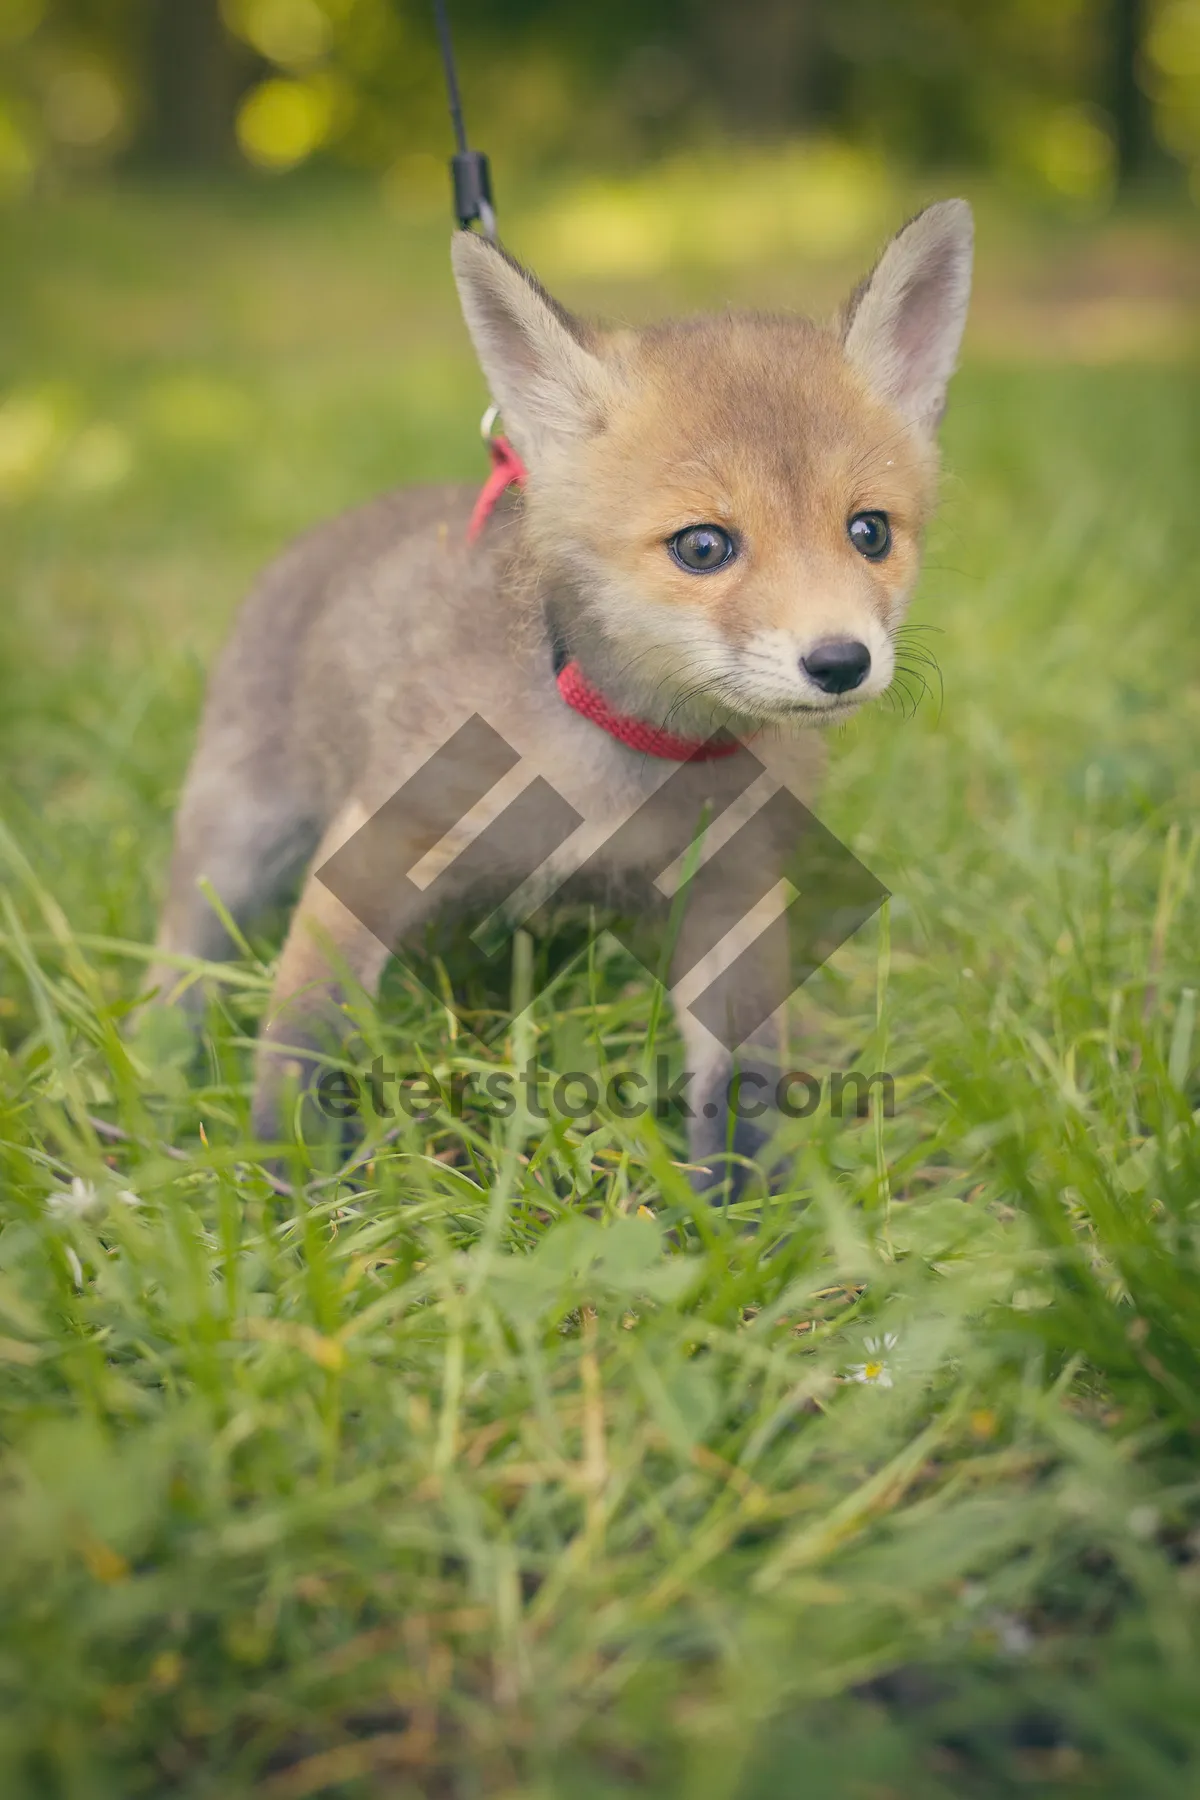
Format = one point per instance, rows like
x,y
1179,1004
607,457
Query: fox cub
x,y
720,525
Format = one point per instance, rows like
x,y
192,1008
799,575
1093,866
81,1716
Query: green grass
x,y
474,1478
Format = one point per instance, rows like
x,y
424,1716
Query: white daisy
x,y
877,1370
75,1202
83,1200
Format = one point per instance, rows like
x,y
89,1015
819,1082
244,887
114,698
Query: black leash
x,y
468,168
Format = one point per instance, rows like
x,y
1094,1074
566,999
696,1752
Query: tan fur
x,y
369,643
758,425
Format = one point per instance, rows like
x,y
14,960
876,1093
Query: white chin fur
x,y
660,650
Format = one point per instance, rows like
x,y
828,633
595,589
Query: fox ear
x,y
545,380
903,327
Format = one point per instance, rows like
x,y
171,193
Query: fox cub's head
x,y
726,512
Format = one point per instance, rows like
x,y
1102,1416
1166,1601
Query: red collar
x,y
509,471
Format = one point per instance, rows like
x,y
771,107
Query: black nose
x,y
837,666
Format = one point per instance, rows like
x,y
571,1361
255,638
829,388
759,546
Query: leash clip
x,y
468,168
473,191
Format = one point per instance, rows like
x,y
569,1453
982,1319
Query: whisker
x,y
941,686
907,710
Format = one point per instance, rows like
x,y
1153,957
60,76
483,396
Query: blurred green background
x,y
182,181
1063,99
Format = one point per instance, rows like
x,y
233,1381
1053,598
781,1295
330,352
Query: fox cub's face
x,y
733,505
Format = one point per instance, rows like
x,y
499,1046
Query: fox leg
x,y
733,1095
249,838
328,955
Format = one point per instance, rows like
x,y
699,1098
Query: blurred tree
x,y
1127,100
765,60
192,76
1062,95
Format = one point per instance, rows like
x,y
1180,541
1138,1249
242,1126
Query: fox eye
x,y
871,535
701,548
